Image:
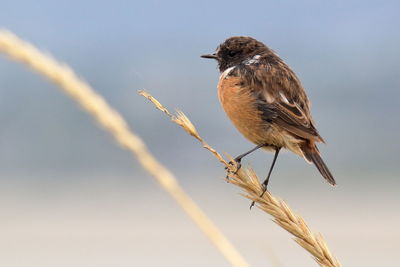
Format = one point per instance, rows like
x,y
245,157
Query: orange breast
x,y
240,106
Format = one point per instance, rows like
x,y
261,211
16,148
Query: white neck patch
x,y
226,72
253,60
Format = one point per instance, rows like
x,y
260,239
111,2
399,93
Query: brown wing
x,y
281,97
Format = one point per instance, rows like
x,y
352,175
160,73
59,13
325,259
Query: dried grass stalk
x,y
247,179
113,122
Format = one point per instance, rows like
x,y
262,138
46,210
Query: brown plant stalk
x,y
248,181
114,123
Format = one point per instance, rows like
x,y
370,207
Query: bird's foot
x,y
237,162
262,194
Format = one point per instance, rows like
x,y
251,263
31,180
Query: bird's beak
x,y
214,56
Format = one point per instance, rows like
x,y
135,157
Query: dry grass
x,y
277,208
113,122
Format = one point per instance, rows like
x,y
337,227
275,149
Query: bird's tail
x,y
311,154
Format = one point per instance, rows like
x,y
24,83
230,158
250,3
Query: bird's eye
x,y
232,53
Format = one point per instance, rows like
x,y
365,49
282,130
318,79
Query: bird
x,y
266,102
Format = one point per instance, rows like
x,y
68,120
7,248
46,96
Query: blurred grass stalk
x,y
247,180
113,122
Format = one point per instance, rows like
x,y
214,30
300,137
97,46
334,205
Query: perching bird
x,y
266,102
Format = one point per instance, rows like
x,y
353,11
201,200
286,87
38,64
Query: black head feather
x,y
235,50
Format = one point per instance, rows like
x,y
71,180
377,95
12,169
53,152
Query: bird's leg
x,y
238,159
265,183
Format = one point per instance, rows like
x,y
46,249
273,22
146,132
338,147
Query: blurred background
x,y
69,196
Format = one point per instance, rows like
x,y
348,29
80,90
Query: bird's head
x,y
236,50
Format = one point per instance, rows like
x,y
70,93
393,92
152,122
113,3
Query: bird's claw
x,y
238,166
236,162
263,192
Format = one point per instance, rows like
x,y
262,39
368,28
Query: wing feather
x,y
281,97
